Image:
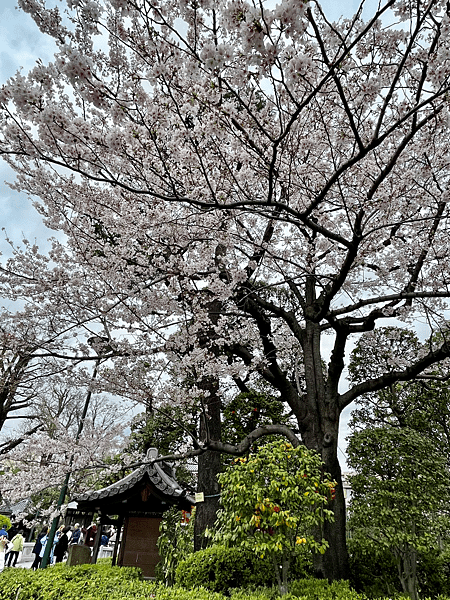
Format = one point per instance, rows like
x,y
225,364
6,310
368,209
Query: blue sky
x,y
21,44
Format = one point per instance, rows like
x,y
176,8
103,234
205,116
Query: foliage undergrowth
x,y
103,582
175,543
219,568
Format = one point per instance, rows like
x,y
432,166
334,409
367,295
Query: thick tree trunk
x,y
407,571
333,565
206,512
319,426
209,467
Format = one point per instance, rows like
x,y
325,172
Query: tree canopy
x,y
237,183
399,496
422,404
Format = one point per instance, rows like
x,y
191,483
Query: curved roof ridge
x,y
163,482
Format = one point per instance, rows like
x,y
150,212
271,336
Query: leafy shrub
x,y
175,543
433,572
257,593
373,570
218,569
320,589
103,582
272,501
5,522
67,583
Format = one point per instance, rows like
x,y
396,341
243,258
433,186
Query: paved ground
x,y
25,564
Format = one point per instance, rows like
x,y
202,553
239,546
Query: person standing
x,y
3,543
61,545
75,539
37,549
17,547
89,538
44,541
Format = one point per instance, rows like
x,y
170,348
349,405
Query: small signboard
x,y
199,497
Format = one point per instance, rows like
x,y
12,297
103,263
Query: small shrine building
x,y
134,506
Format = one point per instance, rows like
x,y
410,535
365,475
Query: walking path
x,y
25,563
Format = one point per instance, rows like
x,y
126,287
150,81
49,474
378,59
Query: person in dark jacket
x,y
37,549
89,538
76,534
61,545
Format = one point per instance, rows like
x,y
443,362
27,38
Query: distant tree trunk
x,y
209,466
407,571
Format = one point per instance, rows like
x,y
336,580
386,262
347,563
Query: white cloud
x,y
21,42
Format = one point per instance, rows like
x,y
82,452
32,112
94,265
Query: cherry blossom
x,y
237,183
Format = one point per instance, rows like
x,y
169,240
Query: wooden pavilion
x,y
135,506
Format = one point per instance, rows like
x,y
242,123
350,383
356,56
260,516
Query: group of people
x,y
10,550
59,546
64,537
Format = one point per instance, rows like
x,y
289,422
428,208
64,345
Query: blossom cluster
x,y
233,181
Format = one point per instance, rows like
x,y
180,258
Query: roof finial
x,y
152,453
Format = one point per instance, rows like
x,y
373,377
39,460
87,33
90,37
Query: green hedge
x,y
68,583
102,582
219,569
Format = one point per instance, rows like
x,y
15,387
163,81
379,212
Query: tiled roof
x,y
14,509
165,484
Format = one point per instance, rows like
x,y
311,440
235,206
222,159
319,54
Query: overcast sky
x,y
21,44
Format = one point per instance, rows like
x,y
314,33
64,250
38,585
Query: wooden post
x,y
96,547
116,543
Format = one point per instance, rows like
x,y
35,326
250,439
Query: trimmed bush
x,y
220,569
102,582
320,589
68,583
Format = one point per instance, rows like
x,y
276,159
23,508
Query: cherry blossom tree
x,y
79,446
27,344
240,186
50,398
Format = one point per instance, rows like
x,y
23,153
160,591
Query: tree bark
x,y
320,428
334,565
209,466
407,570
